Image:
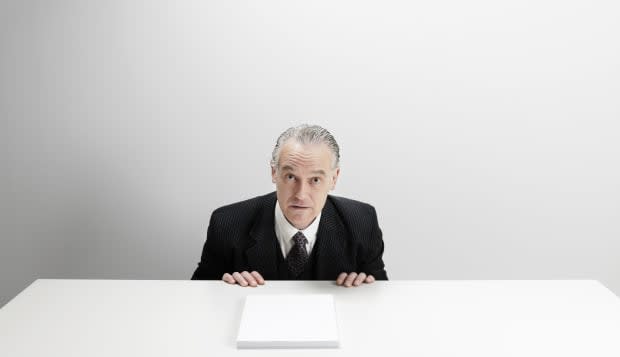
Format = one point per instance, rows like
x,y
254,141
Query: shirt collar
x,y
285,230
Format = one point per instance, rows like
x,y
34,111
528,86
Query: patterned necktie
x,y
298,255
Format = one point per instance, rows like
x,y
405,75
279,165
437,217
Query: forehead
x,y
294,155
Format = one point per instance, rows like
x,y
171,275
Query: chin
x,y
300,223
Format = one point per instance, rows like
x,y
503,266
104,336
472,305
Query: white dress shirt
x,y
285,231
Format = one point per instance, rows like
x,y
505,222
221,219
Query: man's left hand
x,y
354,279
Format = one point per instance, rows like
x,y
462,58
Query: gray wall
x,y
486,133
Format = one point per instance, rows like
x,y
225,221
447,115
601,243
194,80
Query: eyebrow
x,y
315,172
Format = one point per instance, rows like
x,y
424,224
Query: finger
x,y
249,278
341,278
258,277
349,282
239,279
370,279
360,279
228,278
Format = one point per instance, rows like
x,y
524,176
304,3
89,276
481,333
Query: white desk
x,y
405,318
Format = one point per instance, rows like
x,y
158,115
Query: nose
x,y
301,191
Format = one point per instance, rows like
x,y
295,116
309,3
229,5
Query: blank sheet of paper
x,y
288,321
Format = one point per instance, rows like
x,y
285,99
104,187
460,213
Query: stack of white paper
x,y
288,321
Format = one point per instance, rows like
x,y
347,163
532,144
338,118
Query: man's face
x,y
303,177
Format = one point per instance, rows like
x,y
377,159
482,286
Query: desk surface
x,y
413,318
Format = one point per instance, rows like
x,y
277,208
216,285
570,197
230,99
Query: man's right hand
x,y
252,279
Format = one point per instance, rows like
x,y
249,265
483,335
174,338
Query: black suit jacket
x,y
241,237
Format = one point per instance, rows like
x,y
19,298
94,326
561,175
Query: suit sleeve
x,y
373,260
214,261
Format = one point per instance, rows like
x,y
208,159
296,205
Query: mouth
x,y
298,207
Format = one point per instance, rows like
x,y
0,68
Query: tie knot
x,y
299,238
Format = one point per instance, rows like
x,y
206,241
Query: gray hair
x,y
306,134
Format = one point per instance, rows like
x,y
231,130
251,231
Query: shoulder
x,y
352,207
244,210
353,213
358,218
249,204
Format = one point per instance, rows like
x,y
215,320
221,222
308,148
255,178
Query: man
x,y
298,232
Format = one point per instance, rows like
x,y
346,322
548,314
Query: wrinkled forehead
x,y
295,156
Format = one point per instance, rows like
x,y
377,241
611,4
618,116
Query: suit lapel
x,y
261,253
331,244
330,247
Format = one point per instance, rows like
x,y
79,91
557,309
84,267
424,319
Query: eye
x,y
316,180
290,177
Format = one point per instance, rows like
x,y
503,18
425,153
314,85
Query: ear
x,y
335,177
273,174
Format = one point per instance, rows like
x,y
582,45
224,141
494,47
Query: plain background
x,y
485,133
